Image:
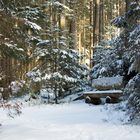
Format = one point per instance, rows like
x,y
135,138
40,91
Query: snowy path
x,y
75,121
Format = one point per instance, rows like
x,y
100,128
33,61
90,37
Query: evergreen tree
x,y
123,57
14,42
131,39
117,59
58,66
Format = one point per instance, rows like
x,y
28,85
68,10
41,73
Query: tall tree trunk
x,y
91,40
127,3
94,23
73,28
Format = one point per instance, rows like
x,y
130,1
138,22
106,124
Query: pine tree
x,y
58,66
123,57
15,43
117,59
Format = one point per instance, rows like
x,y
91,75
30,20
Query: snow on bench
x,y
107,83
103,94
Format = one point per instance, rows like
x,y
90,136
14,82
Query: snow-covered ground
x,y
69,121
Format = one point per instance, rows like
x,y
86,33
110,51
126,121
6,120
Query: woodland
x,y
53,49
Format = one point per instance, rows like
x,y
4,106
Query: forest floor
x,y
68,121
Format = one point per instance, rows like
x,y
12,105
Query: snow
x,y
15,86
62,43
104,92
43,43
62,5
102,70
58,75
13,46
34,75
120,62
47,93
69,121
108,81
33,25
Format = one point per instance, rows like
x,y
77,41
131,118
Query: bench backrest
x,y
107,83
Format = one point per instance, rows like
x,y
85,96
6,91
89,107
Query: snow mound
x,y
108,83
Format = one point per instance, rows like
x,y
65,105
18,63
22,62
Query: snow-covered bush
x,y
12,108
18,88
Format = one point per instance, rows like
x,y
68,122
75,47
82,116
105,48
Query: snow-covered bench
x,y
107,87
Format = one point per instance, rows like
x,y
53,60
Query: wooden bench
x,y
111,96
109,88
